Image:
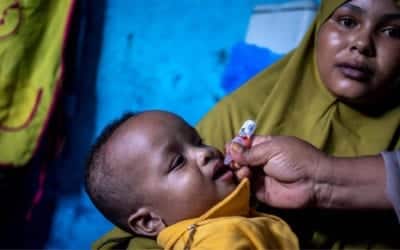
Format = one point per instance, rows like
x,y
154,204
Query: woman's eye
x,y
393,32
347,22
178,162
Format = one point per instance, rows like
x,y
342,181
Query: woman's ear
x,y
145,222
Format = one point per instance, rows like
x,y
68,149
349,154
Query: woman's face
x,y
358,51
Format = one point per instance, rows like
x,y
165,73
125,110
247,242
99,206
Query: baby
x,y
151,175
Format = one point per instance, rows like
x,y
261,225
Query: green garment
x,y
289,99
32,36
119,239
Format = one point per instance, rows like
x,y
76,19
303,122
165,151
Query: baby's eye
x,y
347,22
199,142
392,31
177,162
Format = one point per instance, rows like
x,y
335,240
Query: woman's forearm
x,y
353,183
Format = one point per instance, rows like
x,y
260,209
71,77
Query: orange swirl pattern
x,y
29,118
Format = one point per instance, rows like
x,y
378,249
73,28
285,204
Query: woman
x,y
335,91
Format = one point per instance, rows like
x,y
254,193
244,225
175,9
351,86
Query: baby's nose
x,y
205,155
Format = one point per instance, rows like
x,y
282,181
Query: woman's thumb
x,y
238,153
257,155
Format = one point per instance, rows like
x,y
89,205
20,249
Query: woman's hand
x,y
291,170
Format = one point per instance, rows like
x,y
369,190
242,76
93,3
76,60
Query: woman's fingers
x,y
259,154
243,172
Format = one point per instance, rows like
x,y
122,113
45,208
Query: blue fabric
x,y
245,61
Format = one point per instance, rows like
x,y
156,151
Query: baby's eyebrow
x,y
195,136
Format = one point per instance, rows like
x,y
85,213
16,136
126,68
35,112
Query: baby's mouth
x,y
220,171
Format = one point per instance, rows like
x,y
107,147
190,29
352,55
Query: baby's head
x,y
151,170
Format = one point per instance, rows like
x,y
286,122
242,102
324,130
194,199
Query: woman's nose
x,y
363,43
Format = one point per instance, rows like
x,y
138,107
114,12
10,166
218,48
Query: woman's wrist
x,y
323,176
351,183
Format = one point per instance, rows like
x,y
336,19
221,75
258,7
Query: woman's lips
x,y
355,72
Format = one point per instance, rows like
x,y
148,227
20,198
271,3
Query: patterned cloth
x,y
32,38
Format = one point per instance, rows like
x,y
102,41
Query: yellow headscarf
x,y
289,99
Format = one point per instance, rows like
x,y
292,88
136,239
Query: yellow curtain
x,y
32,36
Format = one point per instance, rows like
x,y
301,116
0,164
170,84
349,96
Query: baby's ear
x,y
145,222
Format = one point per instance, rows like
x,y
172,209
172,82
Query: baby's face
x,y
166,160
